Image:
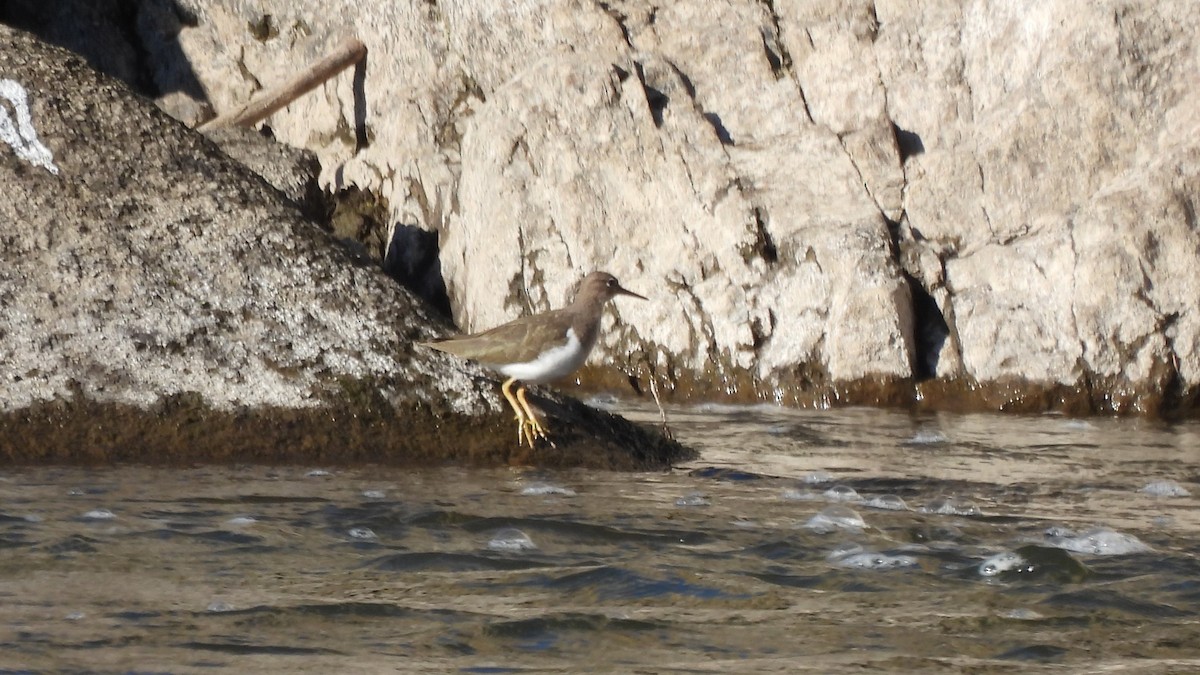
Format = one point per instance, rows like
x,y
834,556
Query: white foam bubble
x,y
1100,541
317,473
374,494
219,606
886,502
241,521
511,539
1022,614
1165,488
602,401
796,494
364,533
75,616
693,499
539,489
818,477
927,437
99,514
1001,563
834,519
857,557
951,506
842,493
843,550
1059,531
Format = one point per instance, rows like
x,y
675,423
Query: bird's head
x,y
601,286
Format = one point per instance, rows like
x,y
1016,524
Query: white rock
x,y
736,160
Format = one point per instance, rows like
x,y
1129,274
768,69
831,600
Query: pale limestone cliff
x,y
816,195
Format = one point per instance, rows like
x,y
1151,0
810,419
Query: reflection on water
x,y
799,541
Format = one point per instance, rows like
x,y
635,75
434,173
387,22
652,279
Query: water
x,y
798,542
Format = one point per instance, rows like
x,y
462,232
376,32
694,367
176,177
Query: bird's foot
x,y
531,429
535,428
521,432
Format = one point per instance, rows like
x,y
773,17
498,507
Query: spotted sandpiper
x,y
540,348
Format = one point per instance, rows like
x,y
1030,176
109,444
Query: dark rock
x,y
164,304
293,171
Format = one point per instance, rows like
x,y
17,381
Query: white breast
x,y
551,365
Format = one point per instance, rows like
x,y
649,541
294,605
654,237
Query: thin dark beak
x,y
625,291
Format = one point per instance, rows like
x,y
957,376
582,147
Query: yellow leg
x,y
534,426
506,389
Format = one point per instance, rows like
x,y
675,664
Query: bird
x,y
539,348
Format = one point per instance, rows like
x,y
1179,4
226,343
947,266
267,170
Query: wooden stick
x,y
346,54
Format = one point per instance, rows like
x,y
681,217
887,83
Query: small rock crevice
x,y
618,18
764,244
1176,394
862,179
930,330
713,119
656,99
777,54
983,191
772,39
1084,370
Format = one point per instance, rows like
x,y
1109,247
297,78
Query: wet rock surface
x,y
162,303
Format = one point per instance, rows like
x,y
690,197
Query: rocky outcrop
x,y
1052,214
163,303
959,203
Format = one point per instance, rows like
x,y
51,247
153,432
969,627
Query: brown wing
x,y
517,341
